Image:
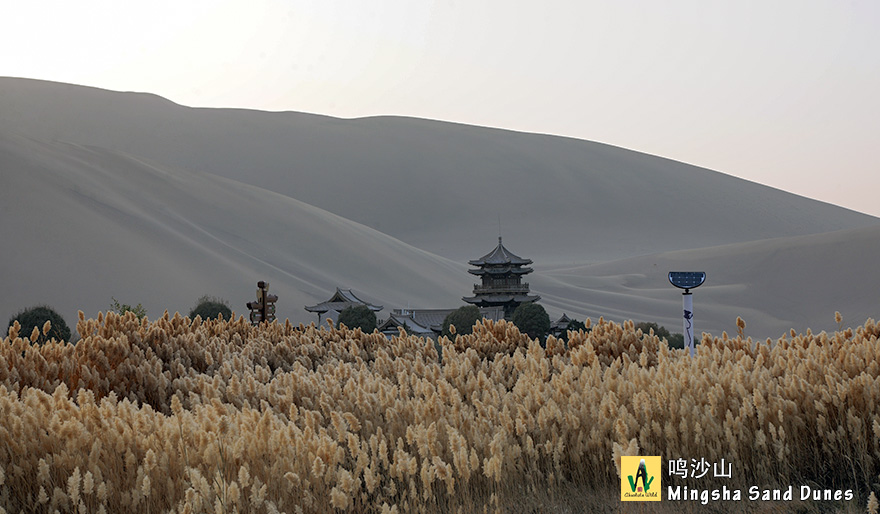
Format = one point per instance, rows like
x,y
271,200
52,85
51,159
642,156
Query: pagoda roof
x,y
500,255
501,298
500,271
341,299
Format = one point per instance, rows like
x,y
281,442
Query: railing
x,y
502,288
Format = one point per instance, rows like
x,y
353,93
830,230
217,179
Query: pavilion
x,y
340,300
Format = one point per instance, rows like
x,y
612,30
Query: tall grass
x,y
182,415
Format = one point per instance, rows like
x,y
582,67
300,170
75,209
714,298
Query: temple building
x,y
427,322
341,299
501,272
560,326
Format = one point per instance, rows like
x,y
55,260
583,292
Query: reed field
x,y
181,415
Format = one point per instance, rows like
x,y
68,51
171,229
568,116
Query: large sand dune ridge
x,y
132,196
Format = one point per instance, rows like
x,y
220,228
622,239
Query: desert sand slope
x,y
774,285
81,224
438,186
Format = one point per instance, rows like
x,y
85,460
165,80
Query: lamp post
x,y
687,280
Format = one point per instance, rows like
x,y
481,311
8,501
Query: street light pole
x,y
687,280
687,305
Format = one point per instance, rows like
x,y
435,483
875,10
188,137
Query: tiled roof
x,y
341,299
431,318
399,320
500,271
561,323
434,318
502,298
500,255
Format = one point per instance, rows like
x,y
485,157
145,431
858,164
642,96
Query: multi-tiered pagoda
x,y
502,286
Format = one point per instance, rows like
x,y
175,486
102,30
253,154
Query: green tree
x,y
646,328
210,307
676,340
673,340
532,319
358,316
463,318
122,308
573,325
36,317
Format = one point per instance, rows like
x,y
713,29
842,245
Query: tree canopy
x,y
463,318
574,326
209,307
358,316
647,326
122,308
673,340
36,317
532,319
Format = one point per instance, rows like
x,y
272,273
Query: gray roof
x,y
501,298
561,323
499,256
398,320
341,299
501,271
433,318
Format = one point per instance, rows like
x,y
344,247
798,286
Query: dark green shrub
x,y
122,308
463,318
209,307
573,326
358,316
647,326
676,340
37,317
673,340
533,320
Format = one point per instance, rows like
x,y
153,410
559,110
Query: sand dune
x,y
129,195
441,187
774,285
82,224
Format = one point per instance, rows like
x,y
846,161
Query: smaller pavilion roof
x,y
561,323
341,299
395,320
432,319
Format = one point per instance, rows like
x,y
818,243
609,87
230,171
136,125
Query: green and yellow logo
x,y
640,479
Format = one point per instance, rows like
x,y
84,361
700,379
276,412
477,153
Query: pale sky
x,y
785,93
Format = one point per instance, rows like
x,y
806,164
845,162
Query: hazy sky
x,y
786,93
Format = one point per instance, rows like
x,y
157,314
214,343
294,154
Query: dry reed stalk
x,y
192,415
